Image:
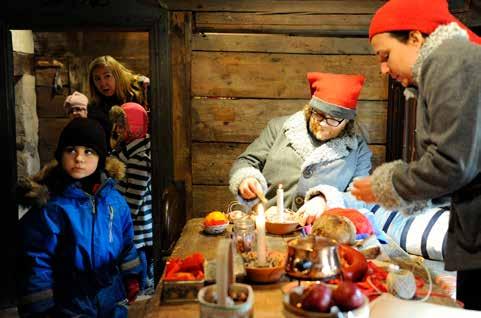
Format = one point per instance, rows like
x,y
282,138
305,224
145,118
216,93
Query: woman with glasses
x,y
315,146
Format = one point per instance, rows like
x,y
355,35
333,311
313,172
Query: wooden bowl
x,y
267,274
281,228
291,311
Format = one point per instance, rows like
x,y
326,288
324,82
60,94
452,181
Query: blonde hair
x,y
126,82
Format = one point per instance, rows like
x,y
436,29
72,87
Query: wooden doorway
x,y
106,15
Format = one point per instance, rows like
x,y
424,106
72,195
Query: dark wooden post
x,y
8,166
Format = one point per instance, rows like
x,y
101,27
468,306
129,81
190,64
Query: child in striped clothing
x,y
131,145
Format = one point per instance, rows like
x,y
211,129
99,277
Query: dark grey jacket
x,y
448,134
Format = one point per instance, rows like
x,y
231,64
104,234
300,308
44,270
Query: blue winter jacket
x,y
75,253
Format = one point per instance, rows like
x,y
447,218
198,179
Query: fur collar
x,y
33,191
433,41
311,150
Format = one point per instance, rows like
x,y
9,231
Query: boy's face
x,y
79,161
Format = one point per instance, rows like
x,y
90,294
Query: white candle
x,y
261,236
280,203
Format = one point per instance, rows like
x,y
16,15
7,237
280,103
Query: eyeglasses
x,y
333,122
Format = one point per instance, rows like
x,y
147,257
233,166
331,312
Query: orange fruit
x,y
215,218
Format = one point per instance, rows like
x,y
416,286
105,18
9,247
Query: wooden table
x,y
267,298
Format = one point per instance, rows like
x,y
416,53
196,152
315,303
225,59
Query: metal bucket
x,y
312,258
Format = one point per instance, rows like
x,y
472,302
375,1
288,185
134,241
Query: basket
x,y
225,283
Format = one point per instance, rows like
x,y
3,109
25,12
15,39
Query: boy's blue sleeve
x,y
39,230
130,261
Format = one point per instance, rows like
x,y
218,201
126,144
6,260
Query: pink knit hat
x,y
76,99
137,119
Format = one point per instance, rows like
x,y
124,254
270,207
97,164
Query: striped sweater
x,y
136,187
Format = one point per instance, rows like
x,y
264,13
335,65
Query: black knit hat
x,y
83,132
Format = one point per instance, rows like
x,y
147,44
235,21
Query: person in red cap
x,y
131,144
318,145
420,44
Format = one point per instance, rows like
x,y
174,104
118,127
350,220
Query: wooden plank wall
x,y
75,50
248,64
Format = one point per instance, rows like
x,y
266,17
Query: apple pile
x,y
320,297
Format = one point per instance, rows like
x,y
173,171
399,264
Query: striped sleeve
x,y
422,234
136,188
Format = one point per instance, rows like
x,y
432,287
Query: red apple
x,y
317,298
347,296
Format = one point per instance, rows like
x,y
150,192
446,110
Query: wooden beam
x,y
133,44
180,38
262,75
94,15
277,6
285,23
224,120
279,43
161,125
8,167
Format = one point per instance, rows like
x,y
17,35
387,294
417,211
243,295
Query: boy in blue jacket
x,y
77,253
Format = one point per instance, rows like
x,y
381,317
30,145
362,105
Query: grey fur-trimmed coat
x,y
286,153
448,132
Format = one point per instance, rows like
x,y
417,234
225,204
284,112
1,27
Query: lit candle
x,y
280,203
261,236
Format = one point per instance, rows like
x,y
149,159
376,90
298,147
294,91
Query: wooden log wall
x,y
69,54
243,63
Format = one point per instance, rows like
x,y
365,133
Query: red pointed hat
x,y
335,94
422,15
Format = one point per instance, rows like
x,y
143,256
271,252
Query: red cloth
x,y
422,15
137,120
361,222
132,287
340,90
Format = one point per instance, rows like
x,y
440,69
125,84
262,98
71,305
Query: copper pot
x,y
312,258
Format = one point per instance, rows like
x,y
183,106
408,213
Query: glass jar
x,y
244,234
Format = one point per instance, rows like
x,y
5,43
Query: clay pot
x,y
281,228
267,274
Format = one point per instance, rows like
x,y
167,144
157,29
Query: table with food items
x,y
271,267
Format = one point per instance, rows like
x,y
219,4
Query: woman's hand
x,y
248,188
312,209
362,190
